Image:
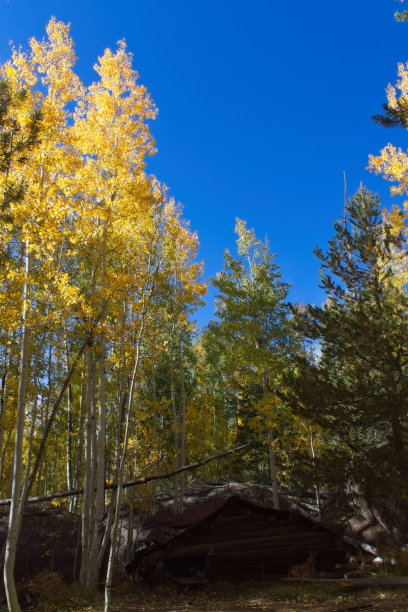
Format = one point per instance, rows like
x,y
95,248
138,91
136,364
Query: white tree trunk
x,y
153,501
4,398
183,423
88,507
177,502
14,516
89,483
115,526
272,471
95,544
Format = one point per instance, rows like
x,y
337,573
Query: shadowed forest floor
x,y
224,597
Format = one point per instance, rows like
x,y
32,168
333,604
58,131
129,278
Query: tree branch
x,y
136,481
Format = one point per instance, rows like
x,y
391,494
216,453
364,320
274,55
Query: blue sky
x,y
262,106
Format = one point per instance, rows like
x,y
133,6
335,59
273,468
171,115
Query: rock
x,y
49,542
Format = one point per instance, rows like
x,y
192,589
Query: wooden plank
x,y
274,547
255,565
234,522
287,540
250,533
290,555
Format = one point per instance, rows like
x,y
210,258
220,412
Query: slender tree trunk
x,y
4,398
155,441
129,543
70,483
115,525
40,468
50,421
316,486
271,450
89,483
13,526
26,481
32,430
100,473
183,421
272,471
122,397
88,504
80,445
177,503
92,579
3,456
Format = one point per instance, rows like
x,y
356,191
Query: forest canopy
x,y
104,376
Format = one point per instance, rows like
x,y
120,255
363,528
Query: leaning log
x,y
135,482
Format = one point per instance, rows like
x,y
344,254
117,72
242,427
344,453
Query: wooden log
x,y
285,540
235,519
292,555
222,536
256,565
354,581
271,546
231,526
239,527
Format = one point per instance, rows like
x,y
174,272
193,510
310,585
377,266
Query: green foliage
x,y
249,346
16,140
251,309
403,16
395,115
356,387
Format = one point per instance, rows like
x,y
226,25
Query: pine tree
x,y
17,137
395,115
356,387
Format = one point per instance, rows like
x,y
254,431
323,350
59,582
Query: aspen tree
x,y
113,135
51,59
185,295
392,164
99,248
254,336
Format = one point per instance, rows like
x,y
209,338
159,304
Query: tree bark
x,y
89,484
177,502
13,526
98,516
183,422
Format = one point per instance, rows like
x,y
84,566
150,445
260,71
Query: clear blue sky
x,y
262,106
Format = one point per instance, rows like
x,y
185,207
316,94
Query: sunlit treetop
x,y
401,16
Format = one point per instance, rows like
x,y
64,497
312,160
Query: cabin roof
x,y
164,526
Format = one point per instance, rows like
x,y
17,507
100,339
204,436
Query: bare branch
x,y
136,481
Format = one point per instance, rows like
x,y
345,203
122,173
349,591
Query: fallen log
x,y
354,581
132,483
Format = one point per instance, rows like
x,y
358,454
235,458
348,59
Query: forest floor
x,y
223,597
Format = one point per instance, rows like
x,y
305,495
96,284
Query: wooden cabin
x,y
233,540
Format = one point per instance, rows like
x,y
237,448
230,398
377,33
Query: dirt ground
x,y
224,597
